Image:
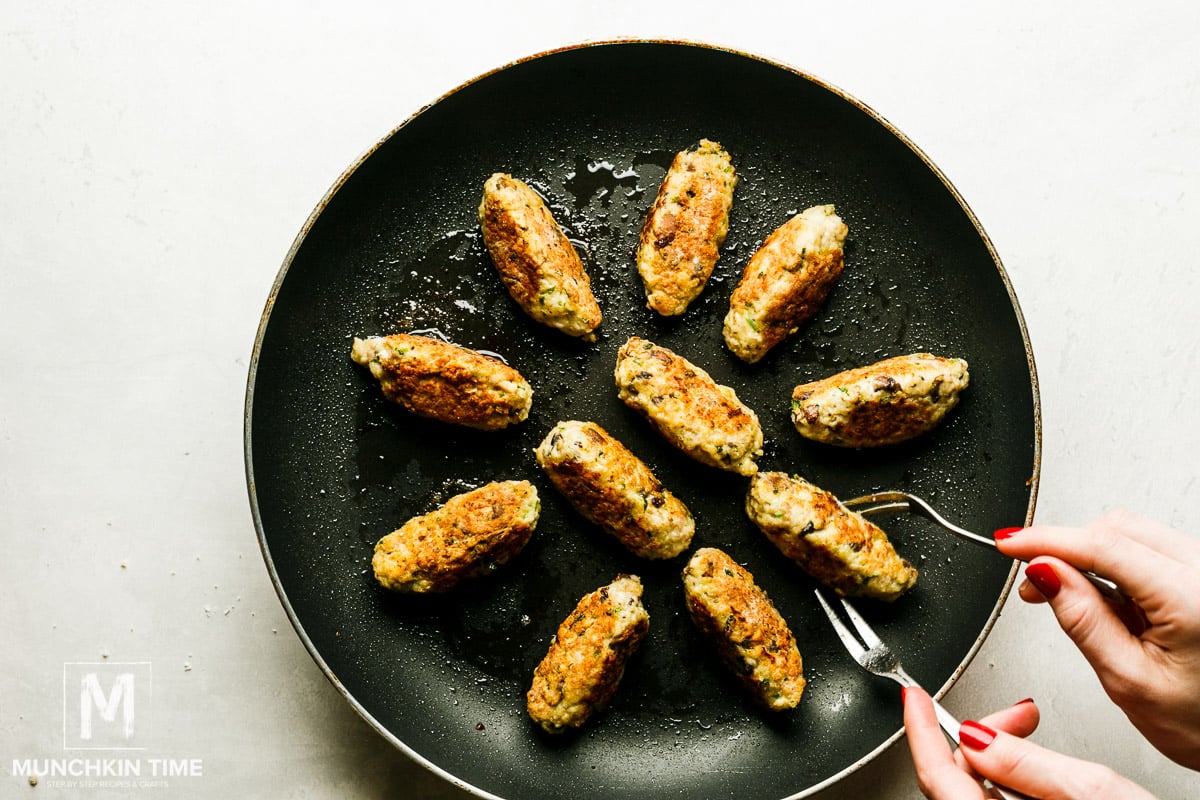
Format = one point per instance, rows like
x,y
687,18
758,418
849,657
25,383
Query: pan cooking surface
x,y
396,248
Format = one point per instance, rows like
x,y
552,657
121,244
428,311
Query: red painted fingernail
x,y
1022,702
1044,579
976,736
1006,533
903,694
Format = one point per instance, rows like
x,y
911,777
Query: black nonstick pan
x,y
395,247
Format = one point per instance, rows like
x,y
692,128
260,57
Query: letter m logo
x,y
91,696
105,705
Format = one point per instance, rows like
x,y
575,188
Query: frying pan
x,y
395,247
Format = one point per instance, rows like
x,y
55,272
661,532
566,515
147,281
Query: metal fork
x,y
877,658
902,501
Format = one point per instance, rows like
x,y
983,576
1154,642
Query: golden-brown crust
x,y
690,409
683,232
614,489
443,381
891,401
537,263
586,659
838,547
470,535
785,282
750,635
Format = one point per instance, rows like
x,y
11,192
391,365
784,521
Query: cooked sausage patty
x,y
471,535
445,382
614,489
690,409
785,282
891,401
586,659
751,636
536,261
838,547
685,227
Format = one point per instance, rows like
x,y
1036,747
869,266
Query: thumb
x,y
1021,765
1094,626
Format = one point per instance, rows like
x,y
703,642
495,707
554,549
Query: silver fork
x,y
877,658
902,501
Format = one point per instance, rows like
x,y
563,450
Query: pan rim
x,y
352,168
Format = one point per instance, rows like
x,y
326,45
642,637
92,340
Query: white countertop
x,y
160,158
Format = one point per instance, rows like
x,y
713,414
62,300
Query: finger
x,y
937,773
1086,617
1154,535
1161,538
1038,772
1130,613
1149,577
1020,719
1029,592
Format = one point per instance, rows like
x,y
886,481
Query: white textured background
x,y
157,160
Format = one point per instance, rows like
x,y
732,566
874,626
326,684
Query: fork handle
x,y
1003,793
951,726
900,501
1107,588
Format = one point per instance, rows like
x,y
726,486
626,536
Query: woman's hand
x,y
1151,670
995,748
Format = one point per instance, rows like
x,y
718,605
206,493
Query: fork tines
x,y
844,633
